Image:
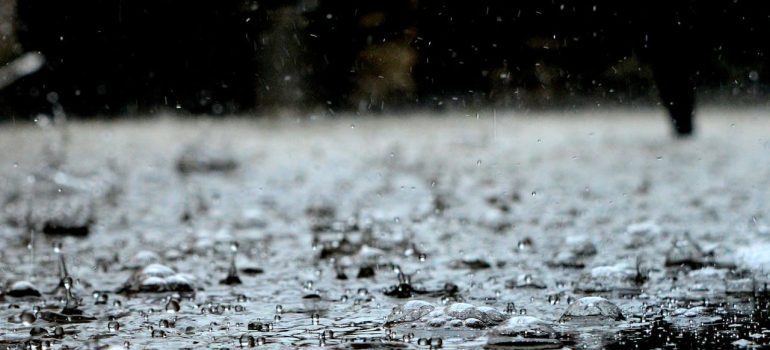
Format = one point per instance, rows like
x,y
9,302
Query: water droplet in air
x,y
328,334
510,308
315,319
232,272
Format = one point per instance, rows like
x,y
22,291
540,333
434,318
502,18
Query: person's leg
x,y
677,92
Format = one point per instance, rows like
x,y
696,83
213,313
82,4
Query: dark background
x,y
219,57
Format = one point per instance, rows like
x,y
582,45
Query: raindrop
x,y
101,298
247,341
27,318
58,332
436,343
38,332
256,326
510,308
232,272
113,326
315,319
172,306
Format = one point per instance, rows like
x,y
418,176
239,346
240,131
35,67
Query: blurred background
x,y
115,57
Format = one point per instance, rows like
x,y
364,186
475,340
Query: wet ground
x,y
454,231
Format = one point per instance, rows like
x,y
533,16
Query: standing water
x,y
590,232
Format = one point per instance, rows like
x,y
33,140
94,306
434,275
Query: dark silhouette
x,y
110,57
581,38
105,57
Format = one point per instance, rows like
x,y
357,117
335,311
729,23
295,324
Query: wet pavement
x,y
595,230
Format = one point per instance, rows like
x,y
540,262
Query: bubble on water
x,y
524,244
524,332
172,306
38,332
685,251
365,272
436,343
247,341
58,332
591,309
101,298
21,289
157,278
27,318
143,258
256,326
